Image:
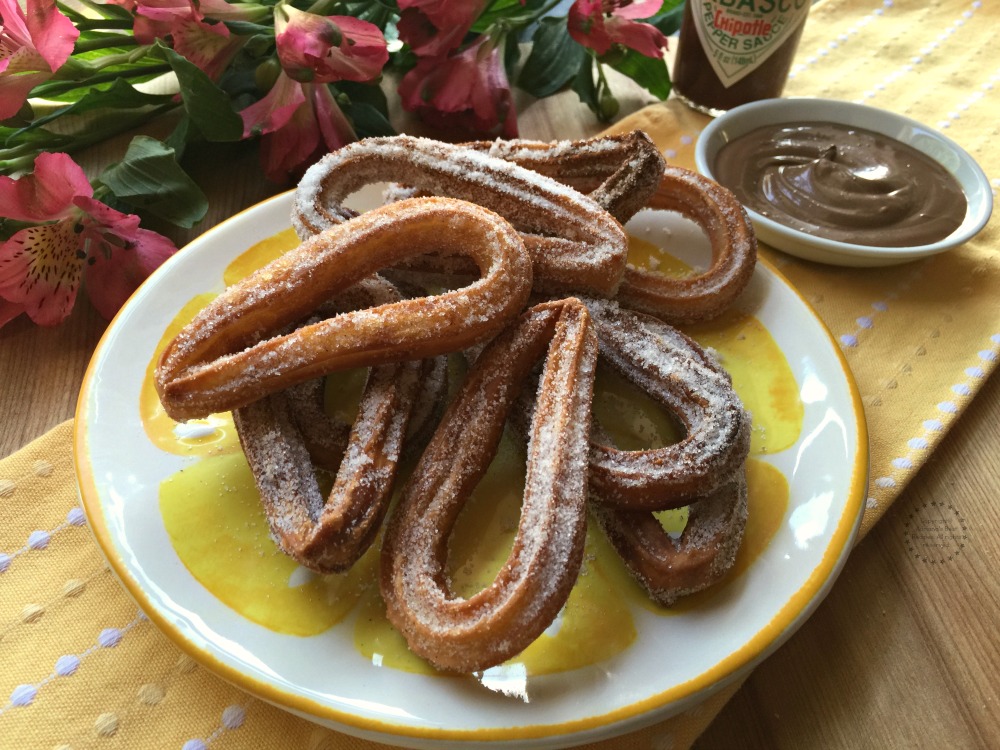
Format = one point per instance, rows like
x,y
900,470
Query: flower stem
x,y
22,156
55,88
117,40
99,24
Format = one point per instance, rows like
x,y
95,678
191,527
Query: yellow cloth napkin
x,y
80,667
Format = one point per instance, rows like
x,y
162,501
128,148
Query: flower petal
x,y
435,27
209,46
642,37
287,152
639,9
47,193
275,110
40,269
120,255
315,48
585,23
467,94
14,90
151,248
333,125
52,33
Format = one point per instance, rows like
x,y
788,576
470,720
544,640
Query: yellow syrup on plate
x,y
212,512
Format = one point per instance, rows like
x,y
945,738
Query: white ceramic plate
x,y
674,662
949,154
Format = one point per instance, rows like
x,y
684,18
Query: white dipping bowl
x,y
741,120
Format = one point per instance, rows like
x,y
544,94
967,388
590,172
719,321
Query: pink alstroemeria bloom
x,y
299,120
600,24
435,27
464,95
194,30
33,46
73,235
209,46
298,123
325,49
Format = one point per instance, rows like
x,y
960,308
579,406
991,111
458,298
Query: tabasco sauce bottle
x,y
732,52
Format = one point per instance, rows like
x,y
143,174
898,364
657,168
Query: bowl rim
x,y
975,186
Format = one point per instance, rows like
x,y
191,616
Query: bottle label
x,y
739,35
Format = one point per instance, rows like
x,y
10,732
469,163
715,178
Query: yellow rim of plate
x,y
795,610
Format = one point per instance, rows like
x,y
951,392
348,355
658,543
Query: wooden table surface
x,y
902,653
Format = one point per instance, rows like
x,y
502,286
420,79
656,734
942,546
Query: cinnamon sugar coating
x,y
705,551
574,244
673,370
229,355
466,635
734,253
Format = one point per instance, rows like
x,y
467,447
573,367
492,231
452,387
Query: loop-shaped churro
x,y
329,535
466,635
734,253
673,370
228,357
671,568
620,172
574,244
325,435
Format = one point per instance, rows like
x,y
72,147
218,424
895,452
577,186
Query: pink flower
x,y
467,93
599,25
194,30
436,27
299,120
209,46
324,49
298,123
73,235
33,46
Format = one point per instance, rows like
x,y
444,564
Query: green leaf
x,y
512,12
206,104
649,72
555,58
585,87
367,120
366,106
181,136
365,93
119,95
377,13
119,103
667,20
249,28
149,178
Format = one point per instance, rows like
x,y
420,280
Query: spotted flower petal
x,y
120,254
40,269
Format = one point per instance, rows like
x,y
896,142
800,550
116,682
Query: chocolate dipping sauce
x,y
731,52
842,183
